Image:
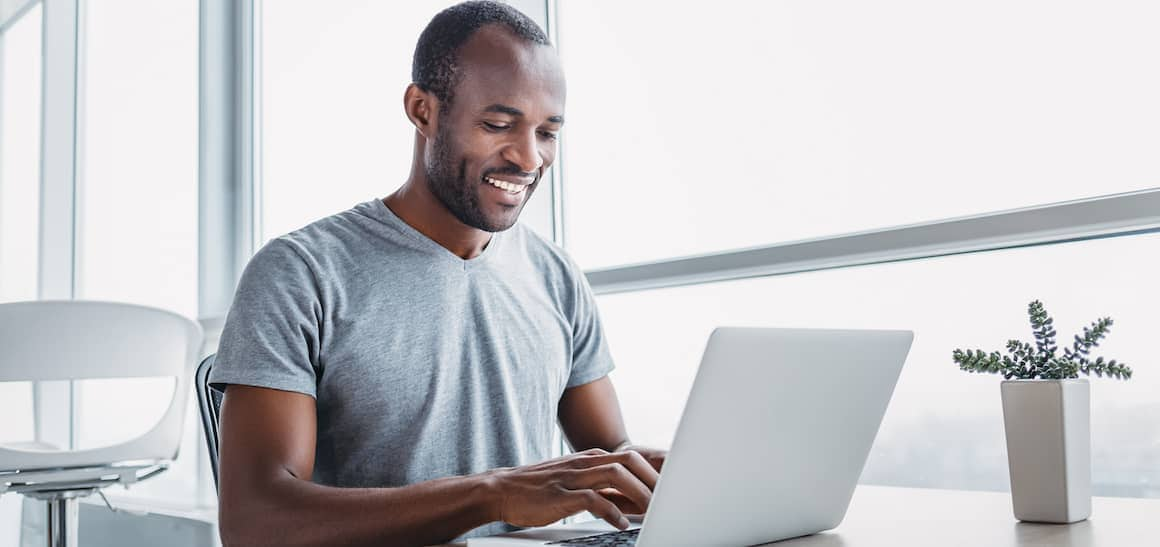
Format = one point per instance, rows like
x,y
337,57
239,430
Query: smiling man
x,y
394,373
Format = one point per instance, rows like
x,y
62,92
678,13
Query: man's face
x,y
494,142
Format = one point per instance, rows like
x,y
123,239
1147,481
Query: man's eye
x,y
495,126
548,135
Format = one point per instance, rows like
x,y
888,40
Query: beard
x,y
447,181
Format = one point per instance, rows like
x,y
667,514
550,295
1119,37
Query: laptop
x,y
773,438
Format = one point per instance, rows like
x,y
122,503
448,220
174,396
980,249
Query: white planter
x,y
1048,428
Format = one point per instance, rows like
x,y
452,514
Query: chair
x,y
209,401
73,340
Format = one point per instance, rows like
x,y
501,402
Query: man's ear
x,y
421,108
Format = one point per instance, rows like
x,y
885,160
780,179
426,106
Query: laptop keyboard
x,y
624,538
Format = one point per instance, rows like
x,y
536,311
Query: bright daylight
x,y
579,272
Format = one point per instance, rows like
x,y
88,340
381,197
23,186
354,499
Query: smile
x,y
509,187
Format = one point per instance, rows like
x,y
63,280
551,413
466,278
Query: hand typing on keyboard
x,y
605,484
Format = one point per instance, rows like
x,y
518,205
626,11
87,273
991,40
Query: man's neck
x,y
420,209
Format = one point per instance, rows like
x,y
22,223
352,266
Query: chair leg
x,y
62,522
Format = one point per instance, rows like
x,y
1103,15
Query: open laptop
x,y
774,436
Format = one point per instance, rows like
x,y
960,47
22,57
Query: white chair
x,y
73,340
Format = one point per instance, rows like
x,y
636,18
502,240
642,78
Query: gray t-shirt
x,y
423,365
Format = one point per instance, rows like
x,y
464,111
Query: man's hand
x,y
654,456
596,481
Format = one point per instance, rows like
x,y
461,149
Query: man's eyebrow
x,y
513,111
504,109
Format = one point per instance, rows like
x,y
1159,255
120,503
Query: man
x,y
394,372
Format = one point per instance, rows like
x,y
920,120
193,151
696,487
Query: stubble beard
x,y
449,184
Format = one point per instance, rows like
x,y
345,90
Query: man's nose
x,y
525,153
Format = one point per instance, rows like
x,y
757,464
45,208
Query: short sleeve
x,y
271,334
591,358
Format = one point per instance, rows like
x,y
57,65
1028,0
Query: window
x,y
139,142
750,123
944,427
138,204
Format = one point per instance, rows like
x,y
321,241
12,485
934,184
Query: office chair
x,y
74,340
209,402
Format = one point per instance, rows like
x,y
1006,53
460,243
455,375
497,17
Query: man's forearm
x,y
292,511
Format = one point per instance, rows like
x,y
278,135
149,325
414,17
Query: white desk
x,y
913,517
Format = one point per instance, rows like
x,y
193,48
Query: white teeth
x,y
507,186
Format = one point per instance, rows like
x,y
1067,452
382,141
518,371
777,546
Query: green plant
x,y
1042,360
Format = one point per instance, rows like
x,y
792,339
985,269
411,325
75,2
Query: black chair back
x,y
209,402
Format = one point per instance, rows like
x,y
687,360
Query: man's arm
x,y
590,417
267,458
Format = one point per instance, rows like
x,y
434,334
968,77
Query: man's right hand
x,y
540,494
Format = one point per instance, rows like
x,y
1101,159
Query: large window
x,y
803,120
747,123
944,427
139,153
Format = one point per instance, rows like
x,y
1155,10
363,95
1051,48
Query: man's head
x,y
488,99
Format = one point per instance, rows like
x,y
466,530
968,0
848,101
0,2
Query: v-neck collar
x,y
378,210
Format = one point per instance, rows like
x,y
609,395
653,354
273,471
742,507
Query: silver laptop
x,y
774,435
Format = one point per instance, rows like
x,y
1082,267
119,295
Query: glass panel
x,y
138,196
803,118
20,81
138,223
944,427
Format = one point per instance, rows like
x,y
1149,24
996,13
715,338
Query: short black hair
x,y
433,67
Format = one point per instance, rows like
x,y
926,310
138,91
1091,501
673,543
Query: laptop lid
x,y
774,435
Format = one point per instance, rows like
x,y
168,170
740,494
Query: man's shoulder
x,y
352,231
324,246
346,227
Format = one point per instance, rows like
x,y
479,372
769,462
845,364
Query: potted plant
x,y
1046,414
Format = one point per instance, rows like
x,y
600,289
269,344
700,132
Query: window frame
x,y
54,408
1105,216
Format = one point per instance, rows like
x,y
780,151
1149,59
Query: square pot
x,y
1048,426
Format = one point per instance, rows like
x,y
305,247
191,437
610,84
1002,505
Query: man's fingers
x,y
641,467
657,461
601,507
630,460
612,475
621,501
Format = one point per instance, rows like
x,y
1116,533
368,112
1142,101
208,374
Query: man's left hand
x,y
654,456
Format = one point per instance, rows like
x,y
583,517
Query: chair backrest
x,y
75,340
209,401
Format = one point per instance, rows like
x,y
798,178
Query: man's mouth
x,y
507,186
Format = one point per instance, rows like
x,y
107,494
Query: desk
x,y
914,517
